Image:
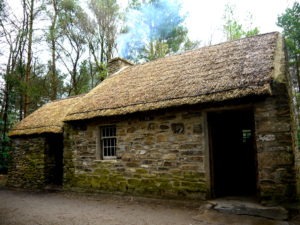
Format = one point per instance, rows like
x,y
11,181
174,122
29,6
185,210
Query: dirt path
x,y
30,208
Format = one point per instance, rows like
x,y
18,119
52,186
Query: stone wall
x,y
158,155
27,167
275,153
165,154
293,85
162,154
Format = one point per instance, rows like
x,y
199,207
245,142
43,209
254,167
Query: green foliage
x,y
96,73
72,42
38,87
155,50
252,32
233,29
69,5
290,22
70,20
48,83
103,29
84,77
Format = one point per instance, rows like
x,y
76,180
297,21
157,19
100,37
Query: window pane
x,y
113,151
105,152
108,139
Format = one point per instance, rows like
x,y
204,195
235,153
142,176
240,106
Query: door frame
x,y
208,151
53,158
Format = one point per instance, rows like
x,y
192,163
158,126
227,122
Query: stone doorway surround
x,y
232,155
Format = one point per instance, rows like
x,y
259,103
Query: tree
x,y
12,30
154,29
52,38
106,14
59,82
28,6
233,29
18,38
72,43
290,22
101,34
84,81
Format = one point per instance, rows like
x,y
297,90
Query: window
x,y
246,135
108,142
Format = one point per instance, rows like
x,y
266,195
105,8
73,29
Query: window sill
x,y
106,160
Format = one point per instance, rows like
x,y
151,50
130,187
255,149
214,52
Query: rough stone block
x,y
170,156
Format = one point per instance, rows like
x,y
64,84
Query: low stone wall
x,y
27,167
158,155
275,154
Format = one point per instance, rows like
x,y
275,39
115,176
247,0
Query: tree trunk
x,y
54,82
29,59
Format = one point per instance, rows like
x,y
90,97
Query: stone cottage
x,y
37,143
207,123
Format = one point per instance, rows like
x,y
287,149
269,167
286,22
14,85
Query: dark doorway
x,y
233,156
54,159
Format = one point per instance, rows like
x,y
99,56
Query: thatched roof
x,y
47,119
230,70
225,71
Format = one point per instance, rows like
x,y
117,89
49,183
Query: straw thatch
x,y
47,119
225,71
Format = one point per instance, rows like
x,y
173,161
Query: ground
x,y
19,207
50,208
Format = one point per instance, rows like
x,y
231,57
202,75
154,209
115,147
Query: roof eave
x,y
36,131
264,89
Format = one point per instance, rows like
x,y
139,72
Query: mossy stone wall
x,y
27,167
158,155
275,152
166,154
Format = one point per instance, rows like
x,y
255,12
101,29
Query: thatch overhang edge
x,y
36,130
264,89
47,119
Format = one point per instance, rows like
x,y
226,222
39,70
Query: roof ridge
x,y
203,47
67,98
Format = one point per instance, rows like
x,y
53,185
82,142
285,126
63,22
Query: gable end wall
x,y
26,169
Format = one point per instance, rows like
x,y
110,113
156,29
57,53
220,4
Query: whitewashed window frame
x,y
108,142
